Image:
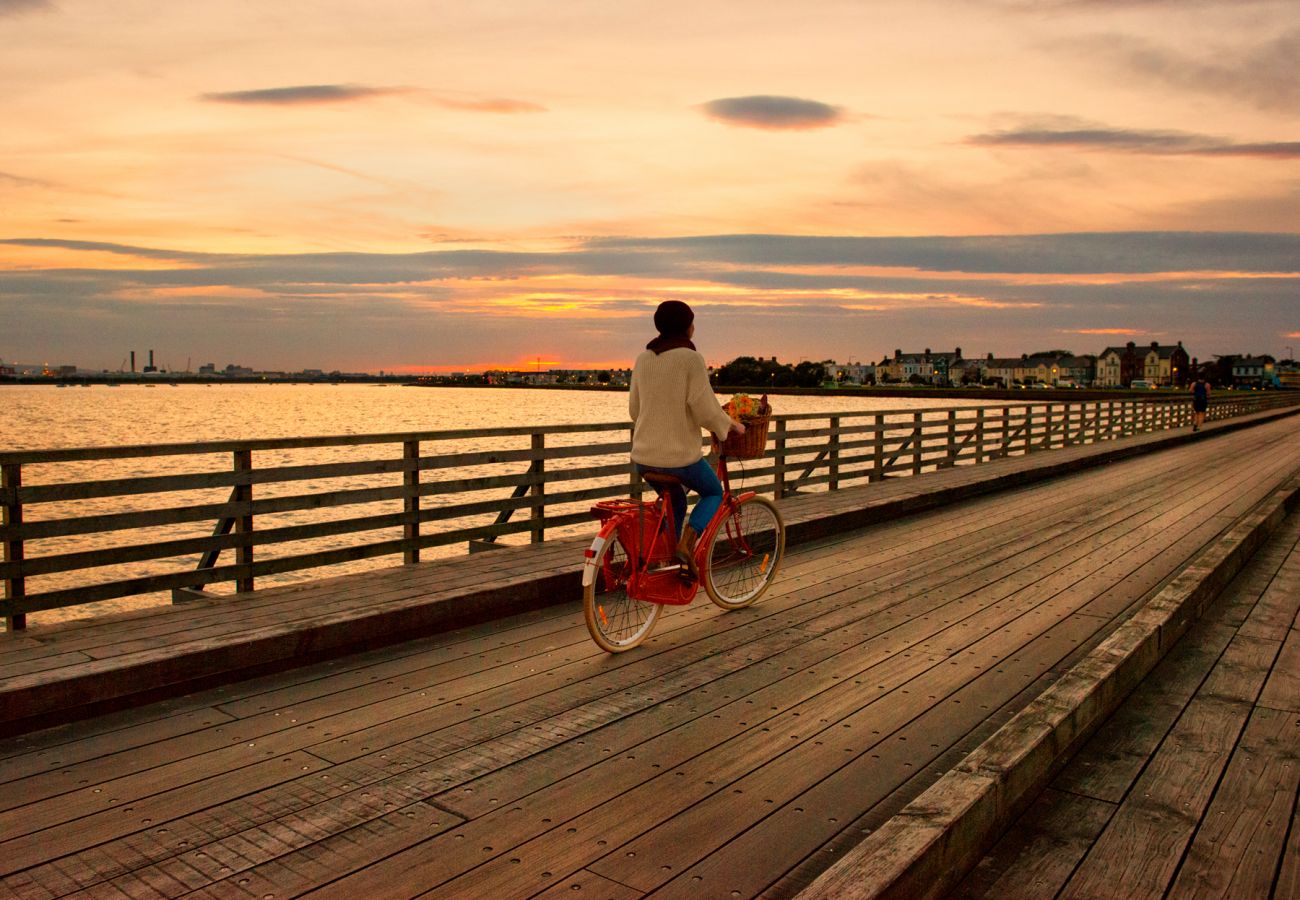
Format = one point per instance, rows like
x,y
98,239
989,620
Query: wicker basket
x,y
749,445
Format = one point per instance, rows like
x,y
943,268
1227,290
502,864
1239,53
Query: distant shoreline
x,y
1021,395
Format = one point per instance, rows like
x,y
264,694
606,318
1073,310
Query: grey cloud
x,y
103,247
302,94
1076,254
22,181
1135,141
719,257
16,7
777,113
1264,76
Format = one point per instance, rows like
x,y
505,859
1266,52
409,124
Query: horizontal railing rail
x,y
100,512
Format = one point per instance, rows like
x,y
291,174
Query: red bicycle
x,y
630,574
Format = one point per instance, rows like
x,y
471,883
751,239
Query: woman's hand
x,y
737,427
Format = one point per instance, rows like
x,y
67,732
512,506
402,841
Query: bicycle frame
x,y
626,521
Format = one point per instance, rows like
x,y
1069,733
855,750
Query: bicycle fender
x,y
591,554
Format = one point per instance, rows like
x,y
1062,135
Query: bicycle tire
x,y
744,553
616,621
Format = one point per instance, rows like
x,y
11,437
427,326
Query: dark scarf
x,y
664,343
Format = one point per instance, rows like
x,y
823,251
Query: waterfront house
x,y
1001,369
1254,371
850,373
1166,365
1118,366
928,367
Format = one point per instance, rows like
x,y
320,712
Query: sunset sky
x,y
433,185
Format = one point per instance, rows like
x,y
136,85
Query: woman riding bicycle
x,y
670,401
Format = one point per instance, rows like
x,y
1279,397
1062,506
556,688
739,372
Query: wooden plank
x,y
1243,835
1040,851
1139,852
43,663
62,835
1282,690
1107,766
260,860
64,750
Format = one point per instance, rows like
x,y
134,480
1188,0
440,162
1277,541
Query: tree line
x,y
749,371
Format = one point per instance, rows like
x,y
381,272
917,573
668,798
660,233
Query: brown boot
x,y
686,553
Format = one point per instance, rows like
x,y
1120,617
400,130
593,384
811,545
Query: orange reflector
x,y
603,617
767,557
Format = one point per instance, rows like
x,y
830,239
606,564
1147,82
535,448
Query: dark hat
x,y
673,317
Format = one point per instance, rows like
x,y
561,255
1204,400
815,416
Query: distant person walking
x,y
1200,401
670,401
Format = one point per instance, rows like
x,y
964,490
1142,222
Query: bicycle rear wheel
x,y
744,553
616,621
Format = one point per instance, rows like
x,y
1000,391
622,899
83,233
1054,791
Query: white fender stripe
x,y
589,568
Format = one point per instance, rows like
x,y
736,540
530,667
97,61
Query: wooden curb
x,y
925,850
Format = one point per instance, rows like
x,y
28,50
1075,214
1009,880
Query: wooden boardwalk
x,y
1190,789
735,754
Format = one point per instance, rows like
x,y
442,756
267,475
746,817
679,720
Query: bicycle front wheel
x,y
616,621
744,553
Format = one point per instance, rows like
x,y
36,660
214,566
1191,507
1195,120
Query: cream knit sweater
x,y
670,401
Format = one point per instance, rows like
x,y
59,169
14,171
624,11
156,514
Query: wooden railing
x,y
141,520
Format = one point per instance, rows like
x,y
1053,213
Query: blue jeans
x,y
700,478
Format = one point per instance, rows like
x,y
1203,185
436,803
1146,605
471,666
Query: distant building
x,y
1158,364
1254,371
930,367
851,373
1118,366
1003,370
208,369
234,371
1166,365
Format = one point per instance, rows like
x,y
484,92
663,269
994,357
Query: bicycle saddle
x,y
660,478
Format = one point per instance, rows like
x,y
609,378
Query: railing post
x,y
979,435
411,502
878,450
834,484
538,513
952,438
916,443
778,486
1004,442
635,485
1029,429
243,493
11,479
1047,427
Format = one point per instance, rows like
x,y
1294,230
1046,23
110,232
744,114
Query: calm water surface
x,y
46,417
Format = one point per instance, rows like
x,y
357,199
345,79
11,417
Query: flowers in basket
x,y
746,409
754,415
